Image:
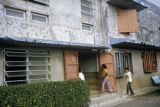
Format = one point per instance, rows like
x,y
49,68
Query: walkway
x,y
111,100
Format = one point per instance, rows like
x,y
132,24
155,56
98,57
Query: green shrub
x,y
48,94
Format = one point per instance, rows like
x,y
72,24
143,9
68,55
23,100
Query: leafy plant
x,y
46,94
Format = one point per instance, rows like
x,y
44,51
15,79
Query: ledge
x,y
127,4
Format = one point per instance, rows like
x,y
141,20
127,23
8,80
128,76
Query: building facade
x,y
49,40
45,40
133,34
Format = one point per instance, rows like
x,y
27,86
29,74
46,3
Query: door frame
x,y
114,68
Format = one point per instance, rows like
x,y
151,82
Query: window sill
x,y
120,76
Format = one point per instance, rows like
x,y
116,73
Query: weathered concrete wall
x,y
112,21
56,65
121,85
112,24
149,25
149,20
140,79
1,51
65,22
158,62
1,67
12,26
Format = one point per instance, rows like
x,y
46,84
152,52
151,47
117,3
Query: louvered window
x,y
149,62
38,65
86,8
26,66
42,1
87,26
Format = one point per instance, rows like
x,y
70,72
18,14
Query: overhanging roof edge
x,y
51,43
132,44
130,4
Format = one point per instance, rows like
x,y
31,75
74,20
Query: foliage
x,y
47,94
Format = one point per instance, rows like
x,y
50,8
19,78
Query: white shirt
x,y
81,76
129,75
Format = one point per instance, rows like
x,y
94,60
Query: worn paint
x,y
56,65
148,19
64,22
1,67
148,25
140,79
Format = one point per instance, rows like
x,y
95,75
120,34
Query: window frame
x,y
149,64
39,2
84,12
16,10
30,74
122,60
40,15
87,25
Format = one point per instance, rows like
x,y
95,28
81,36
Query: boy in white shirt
x,y
81,75
128,74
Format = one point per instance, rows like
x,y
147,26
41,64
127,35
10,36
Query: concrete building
x,y
49,40
133,31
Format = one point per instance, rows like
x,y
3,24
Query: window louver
x,y
26,66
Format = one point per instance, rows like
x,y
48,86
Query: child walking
x,y
105,79
128,74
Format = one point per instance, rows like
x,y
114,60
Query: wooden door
x,y
71,65
108,59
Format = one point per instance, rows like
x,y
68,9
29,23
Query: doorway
x,y
88,63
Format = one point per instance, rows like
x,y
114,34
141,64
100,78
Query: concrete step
x,y
91,79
